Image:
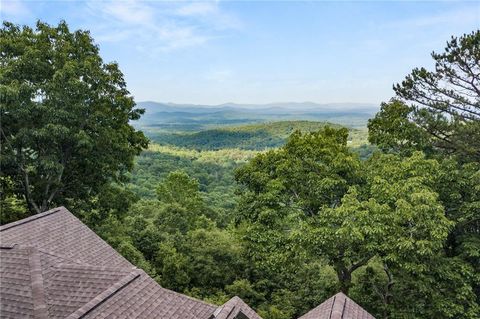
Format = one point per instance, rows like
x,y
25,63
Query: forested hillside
x,y
250,137
202,117
211,156
281,214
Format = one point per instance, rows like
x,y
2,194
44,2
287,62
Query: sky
x,y
214,52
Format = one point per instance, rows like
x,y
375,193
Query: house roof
x,y
60,232
338,306
235,308
54,266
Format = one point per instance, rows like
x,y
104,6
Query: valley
x,y
209,144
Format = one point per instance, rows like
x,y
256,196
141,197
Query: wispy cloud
x,y
198,8
162,27
129,12
211,13
13,9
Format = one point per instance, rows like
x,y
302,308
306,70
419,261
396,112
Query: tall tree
x,y
65,116
314,199
444,103
438,112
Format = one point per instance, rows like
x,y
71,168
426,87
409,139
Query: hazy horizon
x,y
213,52
254,104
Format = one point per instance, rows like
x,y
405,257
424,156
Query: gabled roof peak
x,y
54,266
339,306
235,308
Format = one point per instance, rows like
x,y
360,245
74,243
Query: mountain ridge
x,y
151,106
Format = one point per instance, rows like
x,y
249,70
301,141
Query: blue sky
x,y
211,52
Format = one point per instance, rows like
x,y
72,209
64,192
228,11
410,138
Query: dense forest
x,y
281,214
250,137
212,156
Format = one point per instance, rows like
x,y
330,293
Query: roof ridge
x,y
46,252
31,218
61,239
233,307
92,267
105,295
331,308
338,306
70,220
344,306
36,277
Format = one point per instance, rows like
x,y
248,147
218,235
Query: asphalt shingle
x,y
338,307
15,289
54,266
235,308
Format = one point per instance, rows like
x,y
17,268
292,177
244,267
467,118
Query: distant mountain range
x,y
281,107
198,117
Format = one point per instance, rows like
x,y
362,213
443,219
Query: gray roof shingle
x,y
60,232
235,308
16,296
338,307
53,266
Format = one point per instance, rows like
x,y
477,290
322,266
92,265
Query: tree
x,y
393,130
180,189
381,225
444,103
438,112
312,170
65,116
11,207
396,216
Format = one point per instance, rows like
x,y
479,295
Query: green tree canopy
x,y
443,104
65,116
179,188
314,200
395,216
312,170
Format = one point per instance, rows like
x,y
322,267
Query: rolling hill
x,y
257,136
189,117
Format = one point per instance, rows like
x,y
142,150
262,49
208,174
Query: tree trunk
x,y
345,279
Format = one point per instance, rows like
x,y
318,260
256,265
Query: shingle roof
x,y
59,231
16,289
338,307
235,308
53,266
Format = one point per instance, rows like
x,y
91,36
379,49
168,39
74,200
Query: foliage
x,y
393,131
213,170
65,115
183,246
282,214
438,112
259,136
284,233
311,170
12,207
313,199
444,104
